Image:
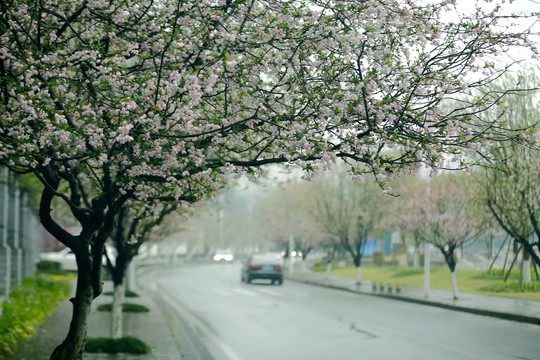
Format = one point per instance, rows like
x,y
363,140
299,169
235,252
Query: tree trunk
x,y
454,284
328,270
526,267
403,260
73,346
116,311
416,256
358,275
303,267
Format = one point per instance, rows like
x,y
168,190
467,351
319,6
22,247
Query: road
x,y
220,318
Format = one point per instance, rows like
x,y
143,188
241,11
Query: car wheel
x,y
248,280
280,281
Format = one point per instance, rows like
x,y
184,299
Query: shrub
x,y
126,307
125,345
378,257
319,266
128,293
48,265
27,305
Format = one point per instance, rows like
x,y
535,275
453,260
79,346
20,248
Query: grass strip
x,y
27,305
468,281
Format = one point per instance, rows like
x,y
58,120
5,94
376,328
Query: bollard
x,y
381,287
390,288
398,289
373,286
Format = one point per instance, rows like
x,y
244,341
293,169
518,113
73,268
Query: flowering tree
x,y
450,218
403,213
129,233
509,188
285,212
349,213
157,101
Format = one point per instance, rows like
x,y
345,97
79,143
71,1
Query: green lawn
x,y
470,281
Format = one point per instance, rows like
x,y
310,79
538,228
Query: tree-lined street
x,y
122,112
236,321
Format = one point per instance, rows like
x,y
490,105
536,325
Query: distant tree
x,y
133,229
348,211
403,215
284,212
450,218
509,187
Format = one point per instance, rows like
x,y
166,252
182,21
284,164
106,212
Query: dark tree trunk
x,y
449,257
451,261
520,238
72,347
88,249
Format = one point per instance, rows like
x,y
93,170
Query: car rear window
x,y
266,260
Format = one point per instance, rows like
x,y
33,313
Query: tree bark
x,y
328,270
358,275
116,311
303,268
526,267
73,346
454,285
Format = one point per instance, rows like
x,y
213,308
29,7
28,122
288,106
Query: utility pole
x,y
291,246
427,262
427,249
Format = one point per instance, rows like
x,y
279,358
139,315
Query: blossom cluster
x,y
167,98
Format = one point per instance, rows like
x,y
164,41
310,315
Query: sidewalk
x,y
527,311
160,330
153,328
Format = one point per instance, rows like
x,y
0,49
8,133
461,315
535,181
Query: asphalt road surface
x,y
217,317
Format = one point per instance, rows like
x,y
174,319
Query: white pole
x,y
291,245
427,250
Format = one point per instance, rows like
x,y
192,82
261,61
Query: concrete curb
x,y
483,312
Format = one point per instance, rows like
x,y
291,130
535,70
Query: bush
x,y
125,345
319,266
48,265
378,257
27,305
126,307
128,293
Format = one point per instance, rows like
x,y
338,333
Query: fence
x,y
20,234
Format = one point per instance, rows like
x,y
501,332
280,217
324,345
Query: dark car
x,y
263,266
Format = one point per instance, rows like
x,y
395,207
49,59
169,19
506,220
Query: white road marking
x,y
245,292
222,293
270,292
202,327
